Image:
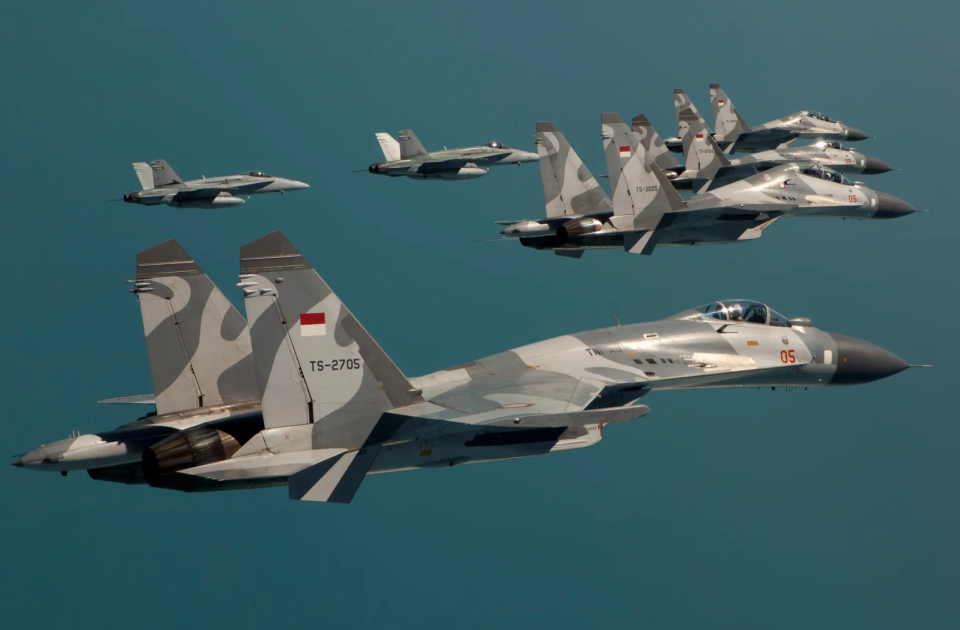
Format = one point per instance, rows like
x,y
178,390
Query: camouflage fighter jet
x,y
408,158
703,158
737,136
335,407
646,210
161,185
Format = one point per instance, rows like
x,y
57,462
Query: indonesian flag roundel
x,y
313,324
624,152
720,101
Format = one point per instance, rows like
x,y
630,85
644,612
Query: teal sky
x,y
833,508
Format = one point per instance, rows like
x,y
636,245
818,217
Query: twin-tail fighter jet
x,y
161,185
734,135
304,396
646,210
408,158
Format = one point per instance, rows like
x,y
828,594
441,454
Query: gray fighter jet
x,y
336,408
735,136
702,162
732,129
408,158
646,210
161,185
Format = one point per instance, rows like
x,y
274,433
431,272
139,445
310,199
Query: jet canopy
x,y
815,170
820,116
831,144
735,310
259,174
497,145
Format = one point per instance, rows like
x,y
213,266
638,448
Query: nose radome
x,y
890,207
873,166
299,185
859,361
855,134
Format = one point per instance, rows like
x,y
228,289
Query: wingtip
x,y
610,118
546,125
168,258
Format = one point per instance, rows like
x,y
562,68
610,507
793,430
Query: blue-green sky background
x,y
833,508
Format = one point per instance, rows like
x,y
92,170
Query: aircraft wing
x,y
140,399
197,194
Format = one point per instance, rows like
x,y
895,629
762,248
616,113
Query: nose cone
x,y
862,362
873,166
295,185
890,207
855,134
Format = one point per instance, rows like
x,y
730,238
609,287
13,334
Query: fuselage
x,y
454,164
214,192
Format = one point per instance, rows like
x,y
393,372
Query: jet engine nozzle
x,y
374,168
192,447
578,227
132,197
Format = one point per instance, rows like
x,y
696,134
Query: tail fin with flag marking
x,y
728,122
701,154
198,344
315,363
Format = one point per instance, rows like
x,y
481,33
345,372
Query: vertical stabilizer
x,y
701,155
315,362
197,342
653,144
681,102
569,189
410,147
728,122
144,174
390,147
164,176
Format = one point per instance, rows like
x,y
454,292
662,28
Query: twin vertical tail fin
x,y
198,344
682,102
315,363
144,174
569,189
163,175
728,122
410,147
701,154
390,147
652,144
639,186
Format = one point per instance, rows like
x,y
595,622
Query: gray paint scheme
x,y
408,158
161,185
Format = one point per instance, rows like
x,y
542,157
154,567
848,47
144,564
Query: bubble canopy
x,y
736,311
259,174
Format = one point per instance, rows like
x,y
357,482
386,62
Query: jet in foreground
x,y
161,185
408,158
646,210
334,407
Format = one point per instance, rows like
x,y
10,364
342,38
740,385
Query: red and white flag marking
x,y
699,136
313,324
624,152
720,101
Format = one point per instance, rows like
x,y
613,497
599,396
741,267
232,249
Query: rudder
x,y
569,189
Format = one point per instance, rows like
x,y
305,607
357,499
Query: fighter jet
x,y
336,408
732,129
408,158
646,210
702,162
735,136
161,185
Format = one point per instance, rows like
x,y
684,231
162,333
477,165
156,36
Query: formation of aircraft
x,y
408,158
735,203
161,185
303,395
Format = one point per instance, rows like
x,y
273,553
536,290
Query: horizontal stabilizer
x,y
139,399
575,418
335,480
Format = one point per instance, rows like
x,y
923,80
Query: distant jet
x,y
734,135
646,210
335,408
408,158
161,185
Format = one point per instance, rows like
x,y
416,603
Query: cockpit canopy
x,y
497,145
820,116
831,144
733,311
815,170
259,174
